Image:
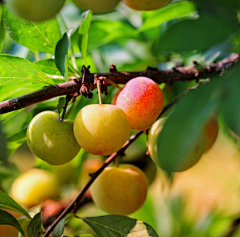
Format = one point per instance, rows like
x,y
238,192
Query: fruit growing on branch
x,y
143,5
211,132
203,143
33,186
37,10
51,140
142,100
101,129
97,6
120,190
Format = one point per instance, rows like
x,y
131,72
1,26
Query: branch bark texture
x,y
84,85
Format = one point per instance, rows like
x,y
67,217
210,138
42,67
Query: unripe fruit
x,y
37,10
144,5
32,186
101,129
204,142
211,132
50,140
120,190
97,6
142,100
191,157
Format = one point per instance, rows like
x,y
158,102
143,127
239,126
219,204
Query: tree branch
x,y
86,83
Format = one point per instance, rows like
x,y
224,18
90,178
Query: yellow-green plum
x,y
37,10
191,157
97,6
101,129
211,132
50,140
144,5
204,142
120,190
142,100
33,186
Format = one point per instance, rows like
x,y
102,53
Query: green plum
x,y
50,140
145,5
97,6
191,157
37,10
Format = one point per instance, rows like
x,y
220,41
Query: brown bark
x,y
84,85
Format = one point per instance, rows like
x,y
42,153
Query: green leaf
x,y
83,33
41,37
58,230
3,154
14,128
15,70
48,66
105,31
2,30
116,225
198,34
61,56
231,105
34,225
170,12
7,202
8,219
184,126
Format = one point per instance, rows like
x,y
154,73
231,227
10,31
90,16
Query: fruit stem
x,y
117,161
99,91
111,82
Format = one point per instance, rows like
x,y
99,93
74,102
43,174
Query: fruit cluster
x,y
100,129
42,10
